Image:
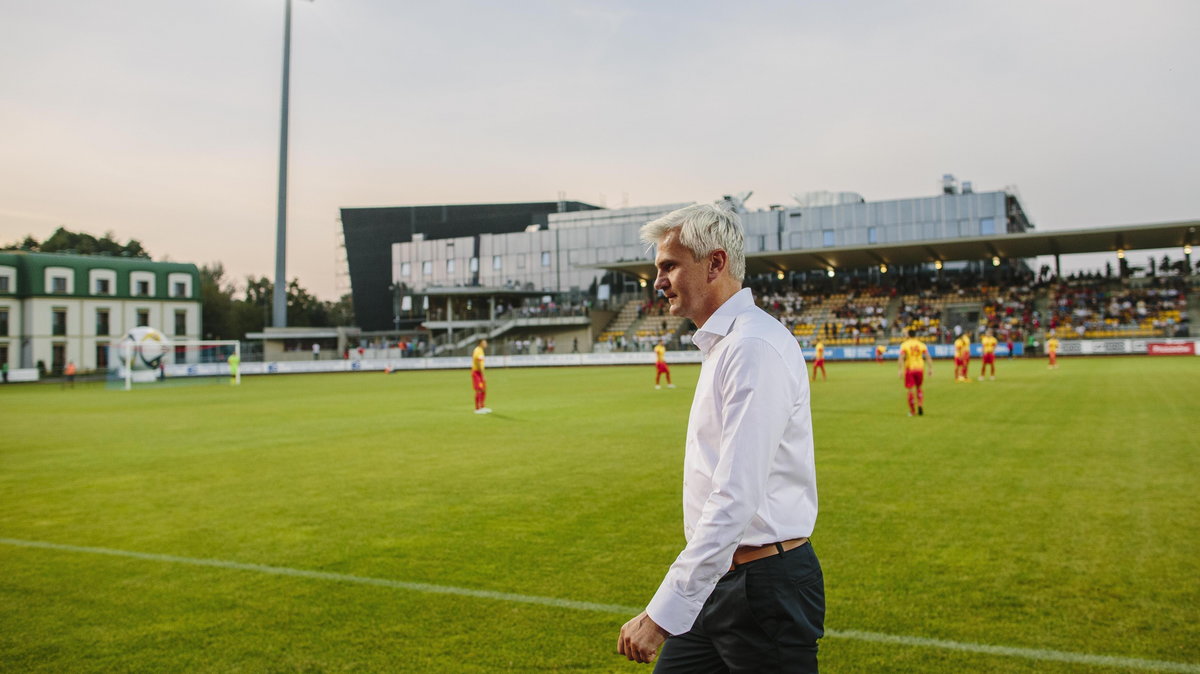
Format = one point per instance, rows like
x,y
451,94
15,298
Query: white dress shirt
x,y
748,471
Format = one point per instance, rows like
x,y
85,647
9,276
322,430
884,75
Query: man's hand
x,y
640,639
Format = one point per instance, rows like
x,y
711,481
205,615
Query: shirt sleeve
x,y
755,400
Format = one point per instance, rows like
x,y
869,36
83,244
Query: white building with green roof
x,y
56,308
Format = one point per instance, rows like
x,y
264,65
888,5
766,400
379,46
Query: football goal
x,y
145,356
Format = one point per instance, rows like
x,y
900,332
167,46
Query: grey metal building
x,y
564,256
370,232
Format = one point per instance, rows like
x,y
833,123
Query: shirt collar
x,y
721,322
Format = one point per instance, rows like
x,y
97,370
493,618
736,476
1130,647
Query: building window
x,y
827,237
872,235
4,284
58,357
102,322
406,269
3,353
58,284
4,322
450,266
58,322
180,290
474,265
545,258
987,226
427,268
143,318
143,288
102,356
497,262
102,287
180,322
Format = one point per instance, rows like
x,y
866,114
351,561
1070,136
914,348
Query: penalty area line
x,y
855,635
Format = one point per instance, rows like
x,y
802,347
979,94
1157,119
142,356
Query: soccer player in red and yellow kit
x,y
913,356
879,351
477,380
966,371
819,362
962,356
1052,350
660,365
989,353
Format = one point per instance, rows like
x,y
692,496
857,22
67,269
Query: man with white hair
x,y
746,593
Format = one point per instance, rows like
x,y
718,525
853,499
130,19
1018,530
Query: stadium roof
x,y
1026,245
478,291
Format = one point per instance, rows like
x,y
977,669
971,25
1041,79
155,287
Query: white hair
x,y
703,228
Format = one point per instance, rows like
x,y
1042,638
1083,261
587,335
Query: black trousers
x,y
764,616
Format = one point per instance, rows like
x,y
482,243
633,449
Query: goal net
x,y
146,357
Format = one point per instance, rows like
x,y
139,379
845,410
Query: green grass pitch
x,y
1052,511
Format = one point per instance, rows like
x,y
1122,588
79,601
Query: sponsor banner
x,y
1001,350
1168,349
867,352
454,363
1070,348
690,355
22,374
1112,346
197,369
861,352
1116,347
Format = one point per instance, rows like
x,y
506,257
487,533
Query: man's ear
x,y
718,261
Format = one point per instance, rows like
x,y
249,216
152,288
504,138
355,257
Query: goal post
x,y
149,358
206,358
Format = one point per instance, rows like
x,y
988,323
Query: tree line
x,y
229,309
228,316
81,243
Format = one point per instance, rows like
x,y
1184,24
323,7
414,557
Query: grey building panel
x,y
575,240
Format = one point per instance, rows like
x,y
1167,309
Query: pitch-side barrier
x,y
1077,347
862,352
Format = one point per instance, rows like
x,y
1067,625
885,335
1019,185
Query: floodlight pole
x,y
279,297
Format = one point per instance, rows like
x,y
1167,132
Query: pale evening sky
x,y
159,119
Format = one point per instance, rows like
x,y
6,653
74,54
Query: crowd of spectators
x,y
1086,305
1104,309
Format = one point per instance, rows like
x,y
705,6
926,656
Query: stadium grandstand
x,y
833,267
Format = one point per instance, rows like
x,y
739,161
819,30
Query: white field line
x,y
857,635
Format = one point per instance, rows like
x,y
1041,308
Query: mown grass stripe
x,y
1027,653
325,575
874,637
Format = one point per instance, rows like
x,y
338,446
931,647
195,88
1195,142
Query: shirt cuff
x,y
672,612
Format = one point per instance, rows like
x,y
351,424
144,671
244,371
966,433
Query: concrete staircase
x,y
658,326
621,323
1193,300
